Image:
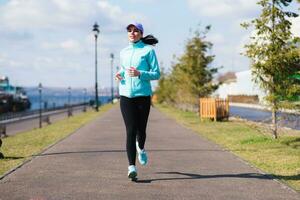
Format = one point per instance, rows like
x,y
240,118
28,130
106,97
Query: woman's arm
x,y
154,72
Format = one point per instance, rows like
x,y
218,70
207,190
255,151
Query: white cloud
x,y
224,8
7,62
70,45
47,37
18,14
2,57
113,12
65,5
143,1
216,38
54,14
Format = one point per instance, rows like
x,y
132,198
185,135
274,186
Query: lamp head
x,y
96,29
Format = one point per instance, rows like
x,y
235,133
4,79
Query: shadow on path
x,y
123,150
13,157
192,176
149,150
79,152
106,151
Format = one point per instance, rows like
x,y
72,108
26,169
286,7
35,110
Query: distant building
x,y
227,78
242,85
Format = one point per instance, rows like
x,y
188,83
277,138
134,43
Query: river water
x,y
253,114
52,97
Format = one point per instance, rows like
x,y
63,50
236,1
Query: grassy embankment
x,y
279,158
23,146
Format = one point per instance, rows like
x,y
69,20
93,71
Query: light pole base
x,y
70,113
1,154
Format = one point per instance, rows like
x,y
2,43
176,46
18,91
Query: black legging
x,y
135,112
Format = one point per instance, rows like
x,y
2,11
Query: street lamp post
x,y
112,78
1,154
69,102
96,33
84,96
40,102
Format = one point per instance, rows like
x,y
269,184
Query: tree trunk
x,y
274,109
274,121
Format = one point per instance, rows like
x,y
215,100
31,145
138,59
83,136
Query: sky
x,y
51,41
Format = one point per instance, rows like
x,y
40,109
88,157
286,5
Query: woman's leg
x,y
128,109
143,107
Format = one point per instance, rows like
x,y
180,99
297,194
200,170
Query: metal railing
x,y
9,118
44,116
17,115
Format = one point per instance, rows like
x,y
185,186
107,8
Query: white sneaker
x,y
142,155
137,147
132,173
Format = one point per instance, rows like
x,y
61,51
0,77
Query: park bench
x,y
214,108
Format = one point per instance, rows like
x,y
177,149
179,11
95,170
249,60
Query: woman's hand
x,y
118,77
132,72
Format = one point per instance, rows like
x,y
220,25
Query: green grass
x,y
279,158
23,146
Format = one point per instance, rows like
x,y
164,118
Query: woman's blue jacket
x,y
143,58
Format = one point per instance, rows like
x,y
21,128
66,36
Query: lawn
x,y
279,158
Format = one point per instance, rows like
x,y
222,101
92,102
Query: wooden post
x,y
227,108
200,109
215,110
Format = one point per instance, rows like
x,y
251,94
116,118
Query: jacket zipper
x,y
133,49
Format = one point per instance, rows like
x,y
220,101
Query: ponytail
x,y
150,39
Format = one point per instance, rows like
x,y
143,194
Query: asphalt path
x,y
92,164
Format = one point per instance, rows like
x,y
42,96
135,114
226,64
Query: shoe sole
x,y
132,175
142,163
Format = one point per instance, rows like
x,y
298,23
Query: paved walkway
x,y
92,164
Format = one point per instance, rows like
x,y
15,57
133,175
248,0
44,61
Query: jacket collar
x,y
137,44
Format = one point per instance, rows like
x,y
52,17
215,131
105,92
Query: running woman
x,y
139,66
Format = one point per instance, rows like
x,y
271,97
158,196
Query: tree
x,y
273,54
191,76
165,90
